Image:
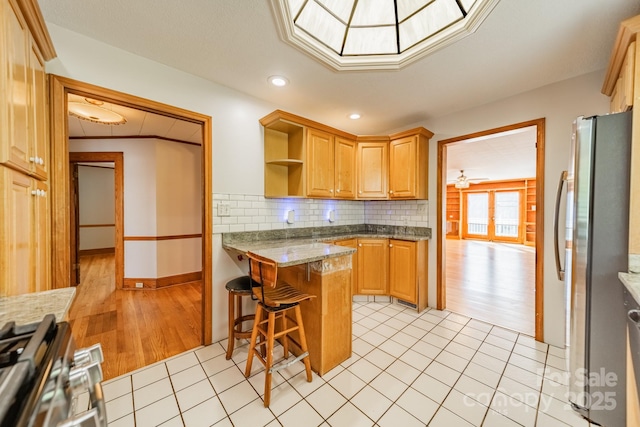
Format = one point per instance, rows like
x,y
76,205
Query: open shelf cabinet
x,y
530,212
453,212
284,160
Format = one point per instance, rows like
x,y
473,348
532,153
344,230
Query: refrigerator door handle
x,y
556,226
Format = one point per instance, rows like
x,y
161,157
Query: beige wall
x,y
96,200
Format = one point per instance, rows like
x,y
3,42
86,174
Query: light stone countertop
x,y
632,283
288,253
305,245
31,308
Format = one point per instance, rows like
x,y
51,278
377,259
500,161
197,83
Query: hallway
x,y
135,327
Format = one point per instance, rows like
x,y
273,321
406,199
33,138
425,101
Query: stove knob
x,y
83,378
88,355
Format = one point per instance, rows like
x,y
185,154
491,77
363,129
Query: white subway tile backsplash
x,y
251,213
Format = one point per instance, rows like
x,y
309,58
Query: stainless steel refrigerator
x,y
596,249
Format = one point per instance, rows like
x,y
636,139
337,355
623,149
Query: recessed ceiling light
x,y
278,81
354,116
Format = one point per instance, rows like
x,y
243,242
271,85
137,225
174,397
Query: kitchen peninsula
x,y
308,261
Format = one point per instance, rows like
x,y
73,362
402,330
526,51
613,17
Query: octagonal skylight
x,y
376,34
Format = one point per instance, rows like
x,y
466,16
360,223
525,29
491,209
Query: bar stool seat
x,y
238,288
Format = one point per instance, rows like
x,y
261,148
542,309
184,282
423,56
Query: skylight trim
x,y
343,60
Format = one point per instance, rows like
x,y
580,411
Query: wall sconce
x,y
291,216
332,215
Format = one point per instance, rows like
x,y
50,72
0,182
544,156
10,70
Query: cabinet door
x,y
403,168
402,270
345,164
14,147
373,266
38,114
40,243
15,233
351,243
320,164
373,165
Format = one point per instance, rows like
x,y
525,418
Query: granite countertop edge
x,y
299,248
30,308
632,282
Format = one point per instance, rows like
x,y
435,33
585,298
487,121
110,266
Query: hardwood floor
x,y
135,327
493,282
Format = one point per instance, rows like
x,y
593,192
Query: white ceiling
x,y
522,45
506,155
139,123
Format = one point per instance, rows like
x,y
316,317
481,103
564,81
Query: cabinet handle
x,y
390,245
41,160
330,191
33,159
338,190
390,191
360,244
35,192
360,192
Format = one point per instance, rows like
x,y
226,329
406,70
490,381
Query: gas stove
x,y
42,376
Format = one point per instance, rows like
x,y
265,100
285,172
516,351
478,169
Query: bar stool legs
x,y
237,289
269,336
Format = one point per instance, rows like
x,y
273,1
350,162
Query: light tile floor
x,y
435,368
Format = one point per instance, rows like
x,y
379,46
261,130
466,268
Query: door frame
x,y
441,296
117,158
59,88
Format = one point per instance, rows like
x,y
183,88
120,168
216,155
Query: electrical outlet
x,y
223,209
139,285
422,208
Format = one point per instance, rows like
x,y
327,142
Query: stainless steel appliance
x,y
596,249
42,376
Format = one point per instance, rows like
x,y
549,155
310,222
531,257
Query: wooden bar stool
x,y
276,300
238,288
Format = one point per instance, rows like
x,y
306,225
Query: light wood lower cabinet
x,y
408,271
393,267
373,267
24,259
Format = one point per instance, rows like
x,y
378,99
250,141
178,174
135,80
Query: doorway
x,y
60,88
117,160
485,223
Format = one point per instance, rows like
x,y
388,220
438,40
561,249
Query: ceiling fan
x,y
463,181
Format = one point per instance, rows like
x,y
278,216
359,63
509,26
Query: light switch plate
x,y
223,209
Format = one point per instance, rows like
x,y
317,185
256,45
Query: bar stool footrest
x,y
286,363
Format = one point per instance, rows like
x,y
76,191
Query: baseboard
x,y
97,251
161,282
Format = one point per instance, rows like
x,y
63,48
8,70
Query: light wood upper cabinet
x,y
38,114
304,158
622,96
373,267
345,168
320,164
409,164
23,82
15,141
373,163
